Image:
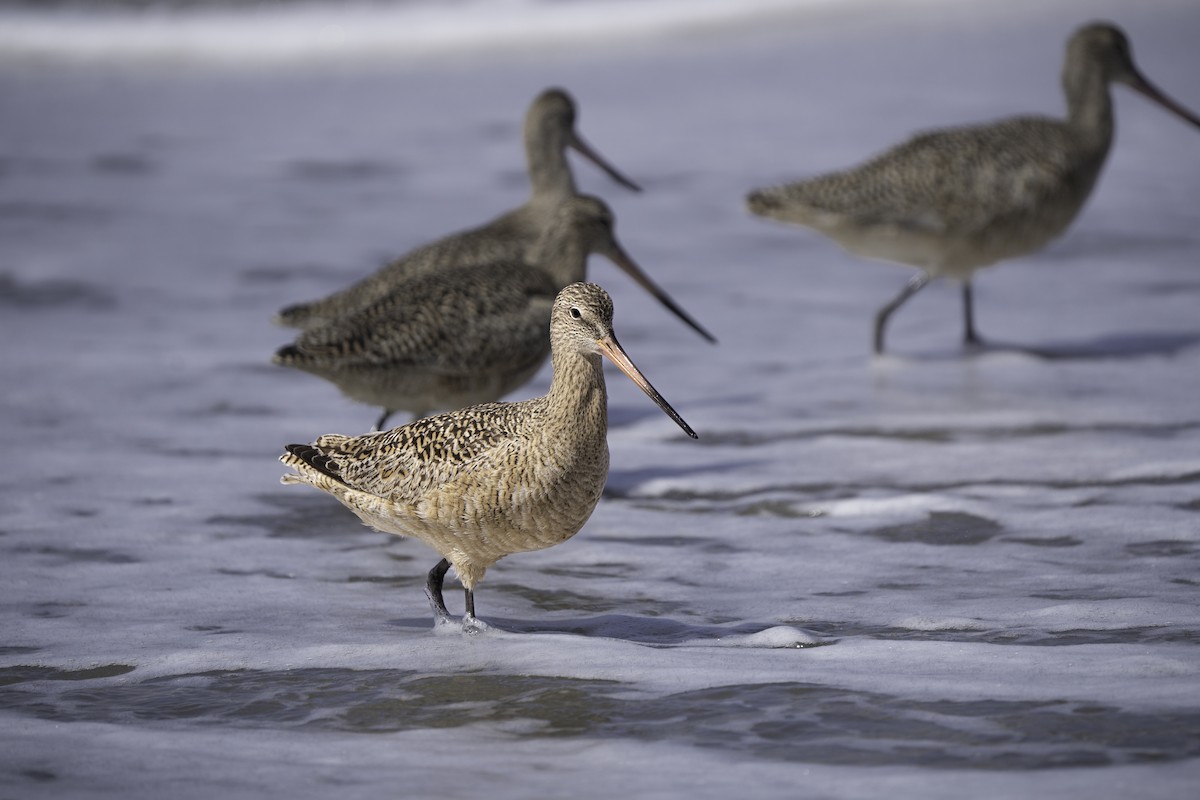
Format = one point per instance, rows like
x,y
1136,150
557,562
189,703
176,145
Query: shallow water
x,y
790,722
931,574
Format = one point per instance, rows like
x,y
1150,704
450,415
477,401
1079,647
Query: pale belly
x,y
951,254
421,391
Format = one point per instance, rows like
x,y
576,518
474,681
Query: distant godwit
x,y
549,131
487,481
949,202
472,334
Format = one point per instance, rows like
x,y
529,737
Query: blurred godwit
x,y
949,202
549,131
483,482
468,334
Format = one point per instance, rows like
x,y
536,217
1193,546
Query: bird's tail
x,y
289,356
304,457
763,202
300,315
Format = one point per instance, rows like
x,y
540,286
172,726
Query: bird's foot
x,y
444,623
473,626
974,344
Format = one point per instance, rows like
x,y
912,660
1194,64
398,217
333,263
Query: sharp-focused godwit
x,y
949,202
549,131
483,482
464,335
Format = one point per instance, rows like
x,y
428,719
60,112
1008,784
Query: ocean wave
x,y
303,30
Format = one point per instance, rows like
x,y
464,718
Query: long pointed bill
x,y
585,150
1139,84
609,347
622,260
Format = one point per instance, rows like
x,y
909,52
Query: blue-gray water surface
x,y
936,573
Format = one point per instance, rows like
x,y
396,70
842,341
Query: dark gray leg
x,y
383,418
914,285
433,590
969,335
471,624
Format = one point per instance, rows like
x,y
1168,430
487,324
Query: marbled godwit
x,y
465,335
483,482
949,202
549,131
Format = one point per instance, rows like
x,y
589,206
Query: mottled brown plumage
x,y
467,334
549,131
487,481
950,202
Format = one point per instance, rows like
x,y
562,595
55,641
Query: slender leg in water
x,y
914,285
470,624
433,590
969,335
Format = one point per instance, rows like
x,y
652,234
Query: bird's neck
x,y
561,254
577,399
549,173
1089,108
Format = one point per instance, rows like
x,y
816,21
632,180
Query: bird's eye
x,y
575,312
